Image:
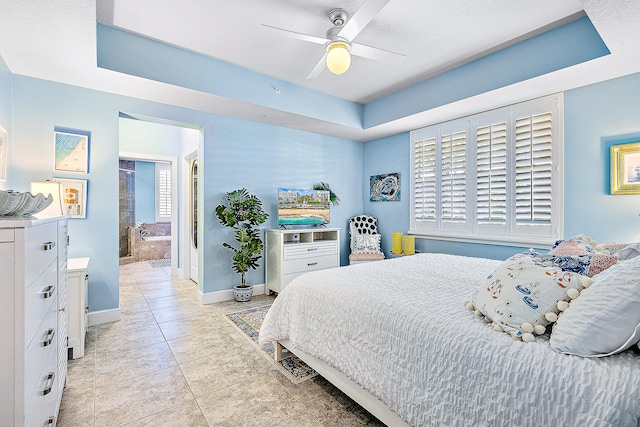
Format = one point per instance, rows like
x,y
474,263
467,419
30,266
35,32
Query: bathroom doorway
x,y
159,149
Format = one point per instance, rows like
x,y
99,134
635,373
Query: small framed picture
x,y
71,150
625,168
4,142
74,197
384,188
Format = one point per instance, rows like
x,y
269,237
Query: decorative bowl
x,y
13,203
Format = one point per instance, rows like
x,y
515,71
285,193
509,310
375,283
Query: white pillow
x,y
629,252
606,318
367,243
521,296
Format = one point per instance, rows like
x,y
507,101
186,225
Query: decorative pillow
x,y
630,251
523,295
606,318
599,259
367,243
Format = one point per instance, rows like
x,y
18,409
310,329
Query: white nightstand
x,y
78,305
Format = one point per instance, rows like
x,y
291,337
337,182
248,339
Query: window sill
x,y
489,240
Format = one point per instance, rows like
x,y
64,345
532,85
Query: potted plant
x,y
243,213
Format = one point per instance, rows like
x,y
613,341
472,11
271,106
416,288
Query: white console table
x,y
78,282
289,253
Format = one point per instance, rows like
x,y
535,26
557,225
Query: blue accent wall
x,y
561,47
140,56
145,192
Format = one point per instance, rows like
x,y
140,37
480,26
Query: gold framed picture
x,y
625,168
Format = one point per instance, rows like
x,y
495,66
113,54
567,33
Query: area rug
x,y
249,322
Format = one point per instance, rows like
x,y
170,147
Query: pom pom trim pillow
x,y
523,295
606,318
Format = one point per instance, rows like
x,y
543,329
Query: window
x,y
163,191
492,177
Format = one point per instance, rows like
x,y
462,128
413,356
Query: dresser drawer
x,y
313,250
46,390
41,249
309,264
38,351
40,298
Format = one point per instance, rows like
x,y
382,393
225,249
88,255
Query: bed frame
x,y
365,399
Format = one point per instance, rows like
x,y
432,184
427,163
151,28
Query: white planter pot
x,y
242,294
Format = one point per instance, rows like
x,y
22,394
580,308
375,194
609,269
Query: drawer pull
x,y
49,384
312,249
49,338
51,421
48,246
312,263
48,291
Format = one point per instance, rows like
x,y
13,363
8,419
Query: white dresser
x,y
78,283
33,357
289,253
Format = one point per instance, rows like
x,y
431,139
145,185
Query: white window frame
x,y
163,191
509,232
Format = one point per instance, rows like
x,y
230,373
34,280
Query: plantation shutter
x,y
491,185
493,177
534,169
425,180
163,191
454,177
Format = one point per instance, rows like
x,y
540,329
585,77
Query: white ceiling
x,y
56,40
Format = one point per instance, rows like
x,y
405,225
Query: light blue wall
x,y
596,117
145,192
5,108
236,153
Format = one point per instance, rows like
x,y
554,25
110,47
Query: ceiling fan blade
x,y
295,35
374,53
362,17
319,68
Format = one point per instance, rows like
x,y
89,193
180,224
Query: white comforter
x,y
399,328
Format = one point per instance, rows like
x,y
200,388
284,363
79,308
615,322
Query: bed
x,y
396,337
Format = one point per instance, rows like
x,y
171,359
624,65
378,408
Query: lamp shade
x,y
338,58
46,188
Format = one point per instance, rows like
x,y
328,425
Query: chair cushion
x,y
366,257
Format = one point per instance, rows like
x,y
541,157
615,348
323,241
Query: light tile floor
x,y
171,361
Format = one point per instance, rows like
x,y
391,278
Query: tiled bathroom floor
x,y
171,361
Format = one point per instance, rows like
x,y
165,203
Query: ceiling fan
x,y
339,39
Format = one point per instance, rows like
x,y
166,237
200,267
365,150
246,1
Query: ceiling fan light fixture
x,y
338,57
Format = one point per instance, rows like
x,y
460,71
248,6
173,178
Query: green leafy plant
x,y
335,200
243,213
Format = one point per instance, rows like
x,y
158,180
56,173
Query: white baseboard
x,y
226,295
103,316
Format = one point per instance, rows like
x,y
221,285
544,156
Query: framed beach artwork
x,y
4,141
74,197
625,168
384,188
71,150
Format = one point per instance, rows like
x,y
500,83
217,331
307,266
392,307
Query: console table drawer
x,y
299,251
310,264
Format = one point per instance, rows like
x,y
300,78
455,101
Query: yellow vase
x,y
409,245
396,242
